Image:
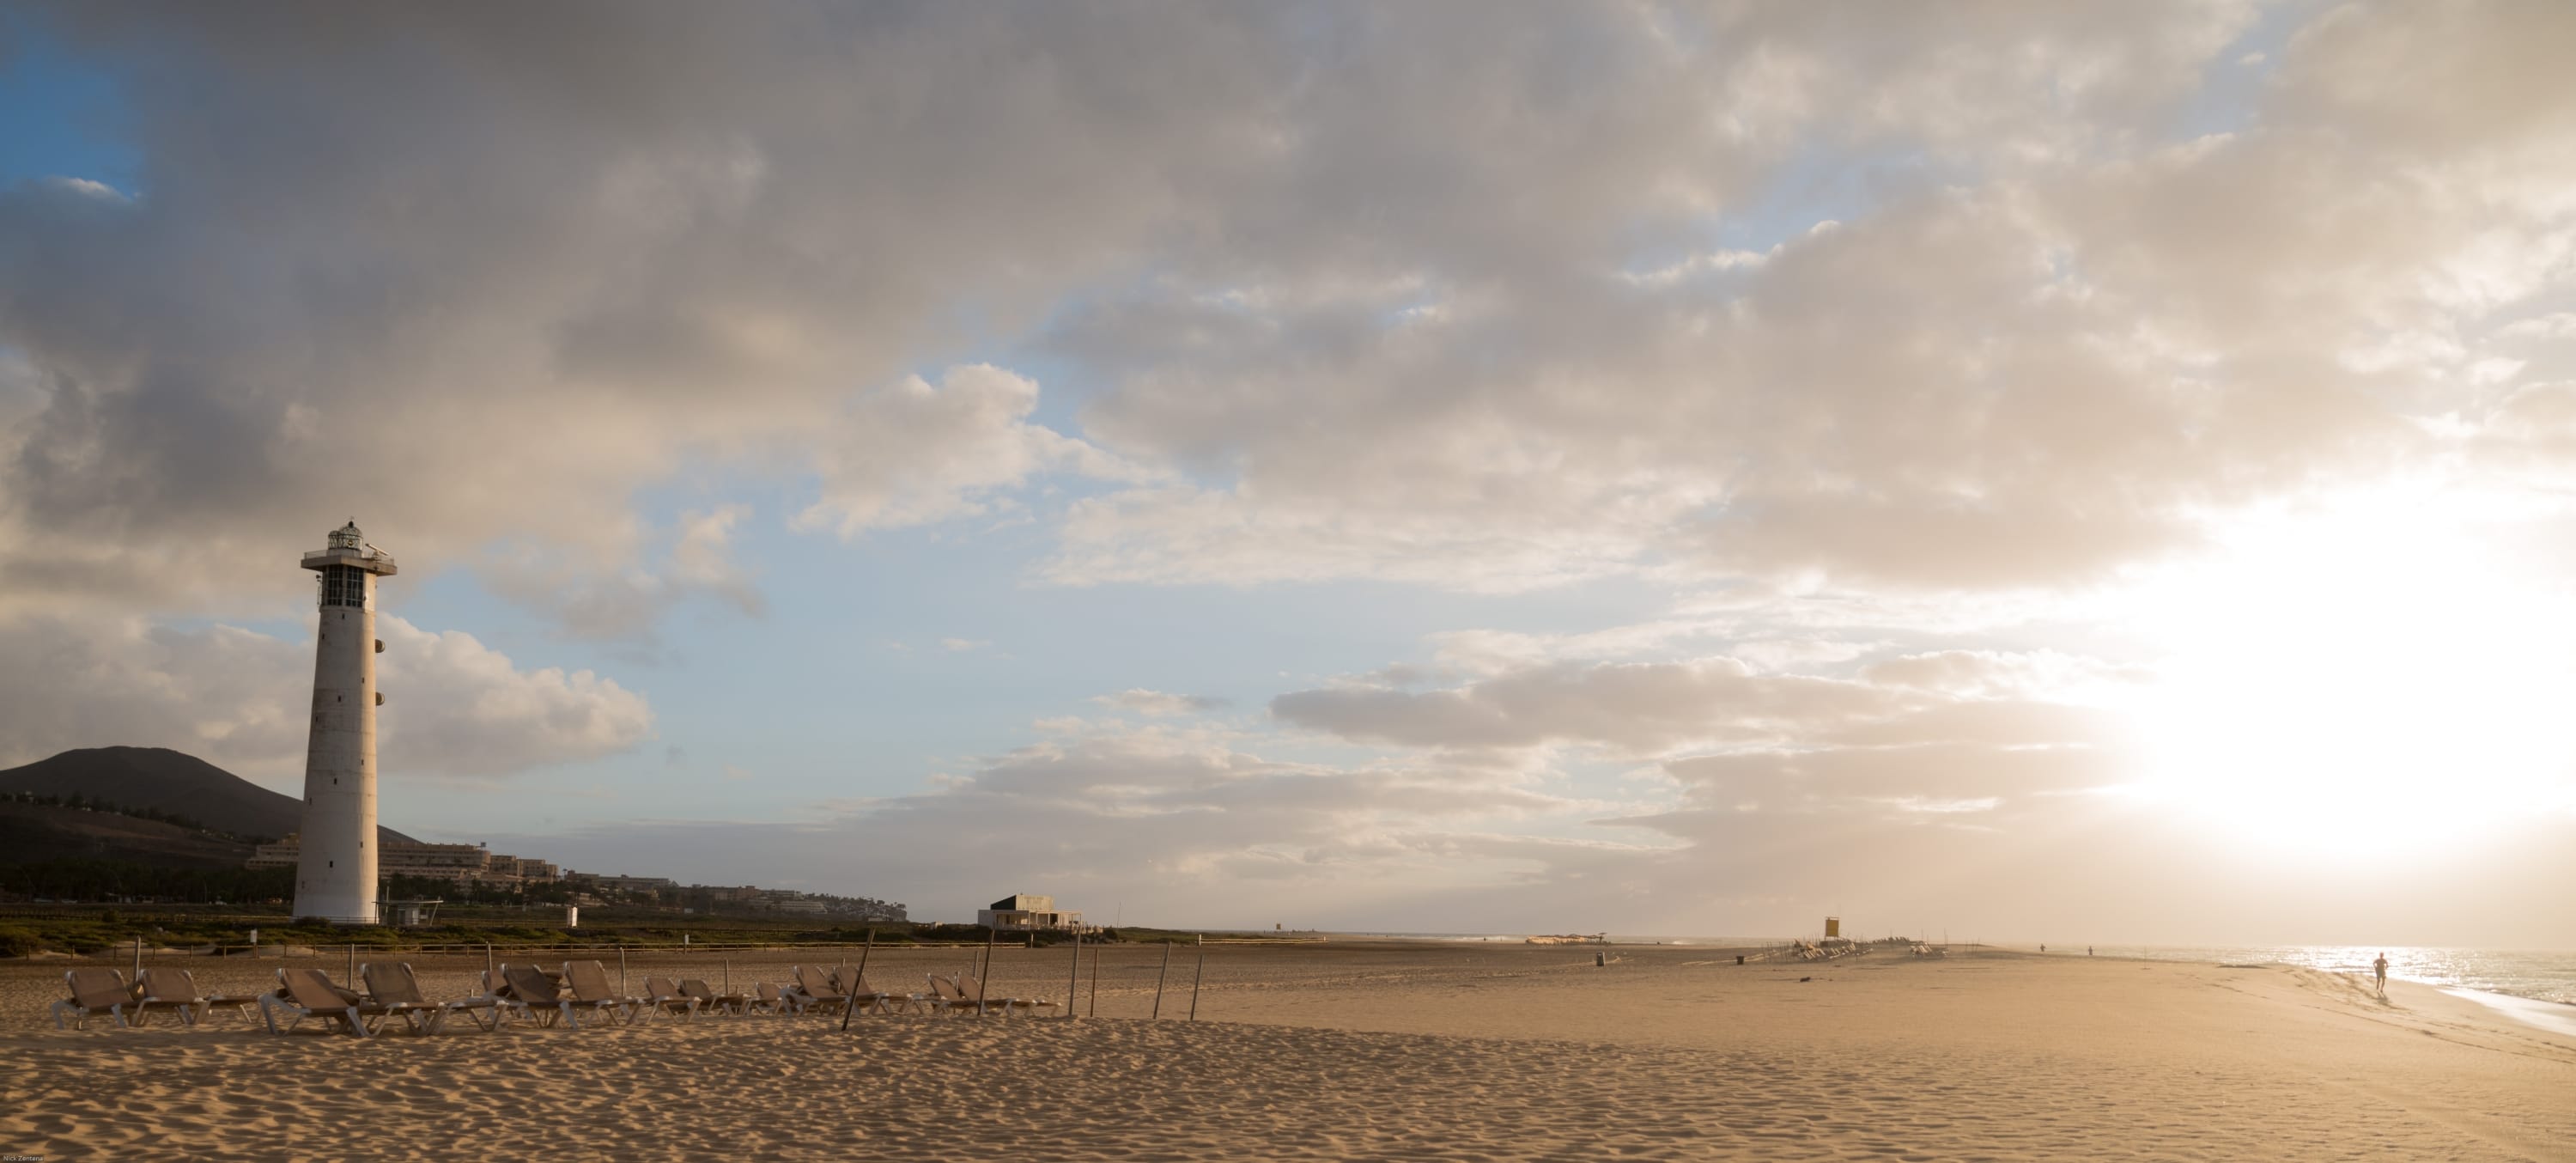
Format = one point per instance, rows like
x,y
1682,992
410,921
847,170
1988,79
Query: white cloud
x,y
1106,812
1324,349
587,599
1159,703
913,454
88,188
2031,352
1633,707
473,712
454,707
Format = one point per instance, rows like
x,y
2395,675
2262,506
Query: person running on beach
x,y
2379,969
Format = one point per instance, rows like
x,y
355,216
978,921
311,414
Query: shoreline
x,y
2557,1017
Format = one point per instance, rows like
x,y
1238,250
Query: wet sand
x,y
1343,1050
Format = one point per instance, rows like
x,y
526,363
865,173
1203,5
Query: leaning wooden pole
x,y
1158,980
1197,977
1073,979
1095,983
983,980
852,1006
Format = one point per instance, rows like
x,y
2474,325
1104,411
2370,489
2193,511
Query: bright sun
x,y
2376,679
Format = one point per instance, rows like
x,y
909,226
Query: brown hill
x,y
168,781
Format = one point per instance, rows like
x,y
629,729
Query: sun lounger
x,y
819,990
505,1001
778,1001
588,981
969,987
709,1000
869,998
664,994
538,998
397,986
946,998
170,989
176,989
94,992
307,993
241,1005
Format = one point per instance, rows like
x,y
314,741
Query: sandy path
x,y
1384,1052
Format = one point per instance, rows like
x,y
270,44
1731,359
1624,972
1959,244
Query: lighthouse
x,y
335,869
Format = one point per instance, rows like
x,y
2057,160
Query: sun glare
x,y
2375,680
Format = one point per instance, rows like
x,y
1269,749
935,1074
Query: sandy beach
x,y
1356,1050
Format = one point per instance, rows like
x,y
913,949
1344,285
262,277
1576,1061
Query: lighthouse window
x,y
344,585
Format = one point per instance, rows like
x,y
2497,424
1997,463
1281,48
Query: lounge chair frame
x,y
394,984
308,993
968,987
870,999
663,995
94,991
588,981
709,1001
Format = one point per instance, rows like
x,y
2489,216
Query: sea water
x,y
2534,974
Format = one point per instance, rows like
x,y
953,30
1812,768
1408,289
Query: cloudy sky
x,y
2093,473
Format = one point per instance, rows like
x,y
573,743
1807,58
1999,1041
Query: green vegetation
x,y
427,888
123,881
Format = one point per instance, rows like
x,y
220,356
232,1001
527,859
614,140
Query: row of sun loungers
x,y
97,992
511,992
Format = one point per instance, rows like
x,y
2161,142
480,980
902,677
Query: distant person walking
x,y
2379,970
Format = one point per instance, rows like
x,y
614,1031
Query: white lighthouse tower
x,y
335,869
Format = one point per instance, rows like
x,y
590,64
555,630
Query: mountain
x,y
167,781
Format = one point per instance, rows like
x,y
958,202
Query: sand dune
x,y
1388,1051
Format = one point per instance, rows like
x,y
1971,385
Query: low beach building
x,y
458,864
656,885
1022,912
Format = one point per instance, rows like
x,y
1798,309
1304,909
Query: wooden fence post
x,y
982,981
1073,980
1197,977
1158,982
